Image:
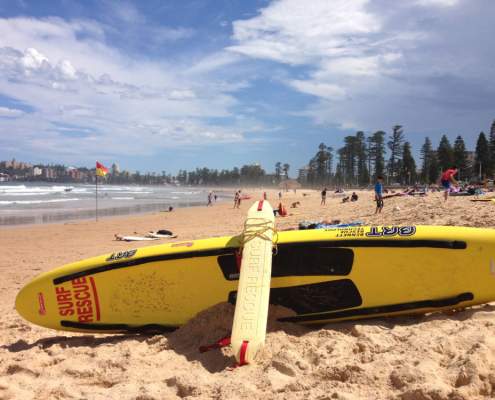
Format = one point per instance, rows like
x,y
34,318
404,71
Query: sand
x,y
435,357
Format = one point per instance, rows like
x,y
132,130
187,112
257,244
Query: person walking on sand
x,y
379,194
448,180
323,197
210,198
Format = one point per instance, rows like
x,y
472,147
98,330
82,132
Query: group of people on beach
x,y
211,196
447,180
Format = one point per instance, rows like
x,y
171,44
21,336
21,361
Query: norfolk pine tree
x,y
395,147
445,153
461,158
482,160
408,170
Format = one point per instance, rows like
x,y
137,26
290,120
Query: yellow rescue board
x,y
323,275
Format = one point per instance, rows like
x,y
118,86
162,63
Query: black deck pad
x,y
314,298
385,309
298,260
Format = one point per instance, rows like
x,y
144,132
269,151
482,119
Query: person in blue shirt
x,y
379,194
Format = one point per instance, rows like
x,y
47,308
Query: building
x,y
11,164
16,164
302,174
37,171
23,165
49,173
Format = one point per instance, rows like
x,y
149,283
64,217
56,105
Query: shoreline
x,y
61,217
47,211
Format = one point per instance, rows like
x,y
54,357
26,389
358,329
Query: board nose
x,y
23,302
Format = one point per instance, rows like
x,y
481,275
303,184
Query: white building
x,y
37,171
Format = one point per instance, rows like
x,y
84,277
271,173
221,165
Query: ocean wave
x,y
122,198
24,194
7,202
12,186
22,190
122,188
195,192
127,193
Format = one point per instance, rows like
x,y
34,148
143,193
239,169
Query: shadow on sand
x,y
215,323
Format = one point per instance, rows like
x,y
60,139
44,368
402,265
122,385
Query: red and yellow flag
x,y
101,170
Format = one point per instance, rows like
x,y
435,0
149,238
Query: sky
x,y
166,85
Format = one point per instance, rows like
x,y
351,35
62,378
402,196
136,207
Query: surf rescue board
x,y
323,275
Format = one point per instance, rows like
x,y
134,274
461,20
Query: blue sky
x,y
168,85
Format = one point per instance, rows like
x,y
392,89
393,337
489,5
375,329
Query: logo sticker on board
x,y
78,298
389,231
121,254
182,244
41,303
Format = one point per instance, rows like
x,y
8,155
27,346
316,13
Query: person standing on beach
x,y
237,197
448,180
323,197
210,197
379,194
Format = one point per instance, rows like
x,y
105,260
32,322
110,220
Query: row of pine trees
x,y
362,159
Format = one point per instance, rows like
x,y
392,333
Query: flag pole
x,y
96,197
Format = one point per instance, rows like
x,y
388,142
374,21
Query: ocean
x,y
34,203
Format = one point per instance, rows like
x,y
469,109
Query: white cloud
x,y
181,95
364,66
373,63
164,34
10,112
33,59
66,72
214,61
441,3
324,90
297,32
67,69
124,11
335,39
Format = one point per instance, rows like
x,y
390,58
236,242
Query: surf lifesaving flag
x,y
101,170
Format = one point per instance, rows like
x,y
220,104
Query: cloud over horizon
x,y
361,64
74,85
98,90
